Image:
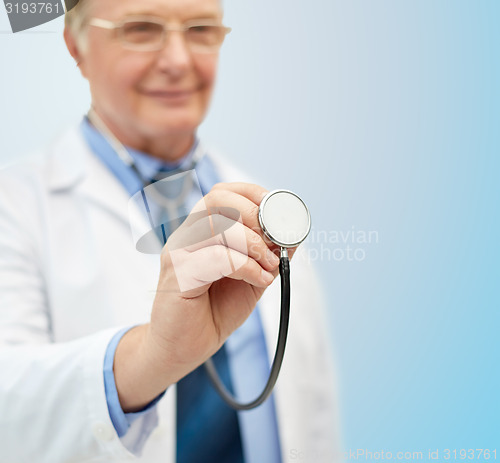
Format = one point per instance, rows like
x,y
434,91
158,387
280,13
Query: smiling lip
x,y
170,94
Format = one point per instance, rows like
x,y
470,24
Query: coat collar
x,y
73,167
66,161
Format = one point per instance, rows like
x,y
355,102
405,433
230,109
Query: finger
x,y
254,193
209,264
201,227
226,203
225,199
220,230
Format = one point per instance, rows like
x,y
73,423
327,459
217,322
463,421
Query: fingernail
x,y
272,258
267,277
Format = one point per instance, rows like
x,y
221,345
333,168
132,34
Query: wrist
x,y
139,376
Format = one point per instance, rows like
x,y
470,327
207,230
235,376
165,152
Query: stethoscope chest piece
x,y
284,218
286,221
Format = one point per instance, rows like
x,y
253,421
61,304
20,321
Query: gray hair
x,y
76,21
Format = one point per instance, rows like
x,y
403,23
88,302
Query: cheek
x,y
207,71
128,73
115,77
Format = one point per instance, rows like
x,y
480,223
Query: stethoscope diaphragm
x,y
284,218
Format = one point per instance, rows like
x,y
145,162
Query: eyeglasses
x,y
144,33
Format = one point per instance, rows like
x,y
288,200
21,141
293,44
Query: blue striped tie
x,y
207,428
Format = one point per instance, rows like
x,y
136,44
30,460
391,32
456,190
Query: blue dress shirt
x,y
246,347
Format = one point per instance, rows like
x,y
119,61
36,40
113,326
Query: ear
x,y
74,50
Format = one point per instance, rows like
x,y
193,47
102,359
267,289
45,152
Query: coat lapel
x,y
73,166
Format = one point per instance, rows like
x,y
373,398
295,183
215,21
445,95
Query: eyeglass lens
x,y
151,34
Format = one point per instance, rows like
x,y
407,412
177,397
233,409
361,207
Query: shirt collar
x,y
147,165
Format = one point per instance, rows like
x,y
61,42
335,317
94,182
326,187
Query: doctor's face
x,y
148,93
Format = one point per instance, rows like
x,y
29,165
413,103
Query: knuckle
x,y
165,258
209,196
255,248
218,186
219,252
254,240
253,211
214,197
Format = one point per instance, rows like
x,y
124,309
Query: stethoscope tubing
x,y
279,354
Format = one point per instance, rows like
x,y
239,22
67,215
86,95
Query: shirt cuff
x,y
121,421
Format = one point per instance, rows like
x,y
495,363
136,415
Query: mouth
x,y
170,96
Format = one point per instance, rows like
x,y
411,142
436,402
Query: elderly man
x,y
101,345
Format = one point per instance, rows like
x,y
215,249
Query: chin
x,y
174,120
173,126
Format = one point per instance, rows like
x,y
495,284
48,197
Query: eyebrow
x,y
211,15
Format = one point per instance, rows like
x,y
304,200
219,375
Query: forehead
x,y
175,9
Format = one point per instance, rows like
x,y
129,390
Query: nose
x,y
175,57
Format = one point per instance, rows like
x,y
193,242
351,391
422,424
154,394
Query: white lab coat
x,y
70,278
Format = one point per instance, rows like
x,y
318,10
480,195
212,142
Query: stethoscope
x,y
284,219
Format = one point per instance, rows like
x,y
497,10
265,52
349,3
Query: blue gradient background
x,y
384,116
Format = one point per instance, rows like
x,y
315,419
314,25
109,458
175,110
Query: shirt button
x,y
102,431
